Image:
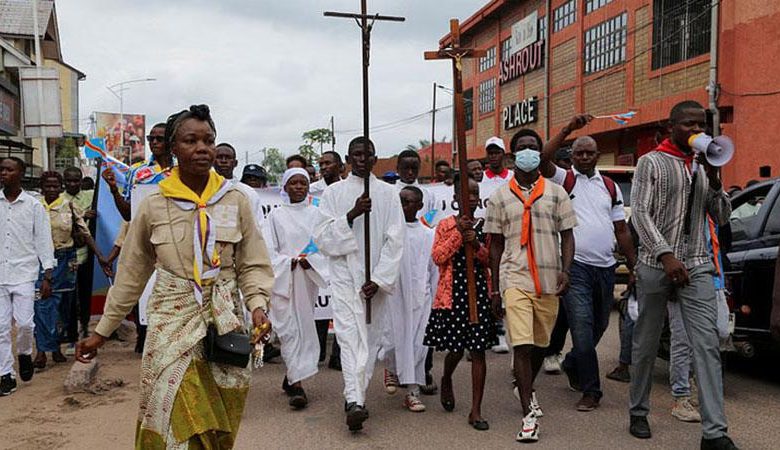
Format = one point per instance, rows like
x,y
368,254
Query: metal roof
x,y
16,17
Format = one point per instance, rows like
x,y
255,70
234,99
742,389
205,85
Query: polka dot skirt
x,y
449,329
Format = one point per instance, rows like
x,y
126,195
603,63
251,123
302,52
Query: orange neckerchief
x,y
526,238
715,245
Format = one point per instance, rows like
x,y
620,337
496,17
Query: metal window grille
x,y
487,96
605,44
592,5
564,15
542,28
681,30
505,48
468,107
489,60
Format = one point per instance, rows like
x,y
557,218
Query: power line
x,y
396,123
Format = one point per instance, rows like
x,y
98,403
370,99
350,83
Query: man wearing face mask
x,y
598,203
525,218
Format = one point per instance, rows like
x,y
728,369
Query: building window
x,y
489,60
681,30
592,5
505,49
542,28
487,96
564,15
468,107
605,44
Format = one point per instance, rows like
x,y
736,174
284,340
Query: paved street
x,y
108,420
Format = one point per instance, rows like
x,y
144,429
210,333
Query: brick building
x,y
547,61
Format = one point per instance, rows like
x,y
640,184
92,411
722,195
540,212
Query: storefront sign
x,y
518,64
524,33
521,113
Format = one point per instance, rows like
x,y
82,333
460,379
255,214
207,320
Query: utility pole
x,y
713,83
332,135
246,157
433,135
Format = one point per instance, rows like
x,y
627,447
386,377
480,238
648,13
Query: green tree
x,y
273,162
307,151
321,136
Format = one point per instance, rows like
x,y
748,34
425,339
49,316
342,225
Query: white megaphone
x,y
718,150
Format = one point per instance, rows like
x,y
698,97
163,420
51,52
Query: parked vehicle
x,y
752,265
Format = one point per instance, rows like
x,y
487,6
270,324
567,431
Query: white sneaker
x,y
552,364
535,408
413,403
501,347
530,429
70,350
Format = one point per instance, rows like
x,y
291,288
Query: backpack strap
x,y
609,183
569,181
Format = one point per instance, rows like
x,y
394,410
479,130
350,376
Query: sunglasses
x,y
155,138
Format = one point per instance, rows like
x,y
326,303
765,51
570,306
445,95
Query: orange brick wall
x,y
563,70
606,94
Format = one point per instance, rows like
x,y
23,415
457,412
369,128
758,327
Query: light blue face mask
x,y
527,160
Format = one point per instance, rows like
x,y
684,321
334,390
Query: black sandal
x,y
480,425
447,396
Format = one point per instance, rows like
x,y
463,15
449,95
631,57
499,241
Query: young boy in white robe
x,y
410,304
299,271
340,237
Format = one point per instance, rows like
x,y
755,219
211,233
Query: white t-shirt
x,y
594,234
490,182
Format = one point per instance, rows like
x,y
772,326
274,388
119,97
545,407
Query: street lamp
x,y
121,96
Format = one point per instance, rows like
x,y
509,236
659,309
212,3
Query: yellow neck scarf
x,y
204,234
55,204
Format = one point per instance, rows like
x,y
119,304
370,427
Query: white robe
x,y
410,305
361,344
254,201
287,232
429,201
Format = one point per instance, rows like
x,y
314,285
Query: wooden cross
x,y
362,20
456,53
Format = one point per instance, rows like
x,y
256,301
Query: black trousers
x,y
558,336
322,334
84,293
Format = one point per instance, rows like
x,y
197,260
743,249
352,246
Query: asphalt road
x,y
752,408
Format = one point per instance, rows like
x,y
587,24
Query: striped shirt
x,y
550,214
659,200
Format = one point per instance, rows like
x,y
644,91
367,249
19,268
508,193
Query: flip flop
x,y
447,396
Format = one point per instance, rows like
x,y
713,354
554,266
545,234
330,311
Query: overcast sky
x,y
269,69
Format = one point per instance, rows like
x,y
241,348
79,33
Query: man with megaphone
x,y
675,188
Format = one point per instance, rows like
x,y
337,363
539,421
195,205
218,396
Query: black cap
x,y
255,171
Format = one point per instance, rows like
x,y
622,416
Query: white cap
x,y
497,141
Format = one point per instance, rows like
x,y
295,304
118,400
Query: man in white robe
x,y
340,236
299,272
410,304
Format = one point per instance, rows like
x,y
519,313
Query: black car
x,y
752,265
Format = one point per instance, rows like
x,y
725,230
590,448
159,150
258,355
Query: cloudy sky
x,y
269,69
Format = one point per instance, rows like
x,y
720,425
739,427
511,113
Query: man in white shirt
x,y
330,172
496,174
224,164
598,204
25,246
340,237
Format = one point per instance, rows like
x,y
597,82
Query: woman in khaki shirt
x,y
185,399
63,216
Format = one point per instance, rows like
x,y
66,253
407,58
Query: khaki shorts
x,y
530,320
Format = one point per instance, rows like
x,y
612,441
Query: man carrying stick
x,y
340,236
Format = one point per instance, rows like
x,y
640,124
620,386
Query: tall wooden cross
x,y
366,26
456,53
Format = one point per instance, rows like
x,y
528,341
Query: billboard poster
x,y
133,126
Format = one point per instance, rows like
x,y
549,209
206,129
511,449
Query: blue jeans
x,y
47,316
588,304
